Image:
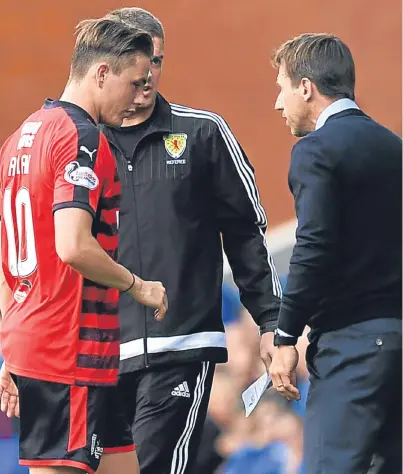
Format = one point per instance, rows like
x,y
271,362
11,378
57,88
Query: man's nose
x,y
147,85
279,104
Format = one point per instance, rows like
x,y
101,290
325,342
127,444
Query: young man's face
x,y
148,96
120,91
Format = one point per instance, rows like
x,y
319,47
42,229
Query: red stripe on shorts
x,y
120,449
78,418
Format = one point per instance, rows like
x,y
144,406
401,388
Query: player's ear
x,y
101,74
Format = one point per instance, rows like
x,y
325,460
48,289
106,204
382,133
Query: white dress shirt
x,y
335,108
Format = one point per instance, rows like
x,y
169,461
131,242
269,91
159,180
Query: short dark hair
x,y
109,40
139,18
322,58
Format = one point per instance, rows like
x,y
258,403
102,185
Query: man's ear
x,y
101,74
307,88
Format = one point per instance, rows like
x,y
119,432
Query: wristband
x,y
131,286
267,327
284,340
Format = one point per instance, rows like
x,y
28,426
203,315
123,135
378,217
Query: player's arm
x,y
242,222
314,186
82,173
76,246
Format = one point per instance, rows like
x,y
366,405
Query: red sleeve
x,y
80,162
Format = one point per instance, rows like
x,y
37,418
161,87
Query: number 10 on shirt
x,y
23,262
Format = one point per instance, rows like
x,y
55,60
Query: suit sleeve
x,y
313,183
241,220
80,160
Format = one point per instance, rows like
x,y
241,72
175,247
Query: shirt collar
x,y
334,108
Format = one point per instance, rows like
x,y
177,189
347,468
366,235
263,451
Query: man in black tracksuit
x,y
185,184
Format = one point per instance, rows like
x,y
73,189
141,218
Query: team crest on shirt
x,y
81,175
22,291
175,144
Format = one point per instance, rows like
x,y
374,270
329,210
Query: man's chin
x,y
299,133
130,114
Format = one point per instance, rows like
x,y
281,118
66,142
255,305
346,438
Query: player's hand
x,y
153,294
8,394
267,349
283,371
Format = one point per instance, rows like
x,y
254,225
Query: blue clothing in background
x,y
9,457
271,459
231,304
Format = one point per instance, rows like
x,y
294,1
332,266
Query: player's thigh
x,y
55,470
171,410
352,375
120,462
61,426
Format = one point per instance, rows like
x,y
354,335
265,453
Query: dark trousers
x,y
166,407
353,421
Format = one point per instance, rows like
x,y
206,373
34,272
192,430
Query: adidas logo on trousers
x,y
181,391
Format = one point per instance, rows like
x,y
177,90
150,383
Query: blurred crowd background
x,y
218,58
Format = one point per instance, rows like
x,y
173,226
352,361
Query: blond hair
x,y
139,18
105,39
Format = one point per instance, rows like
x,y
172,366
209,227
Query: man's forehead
x,y
158,46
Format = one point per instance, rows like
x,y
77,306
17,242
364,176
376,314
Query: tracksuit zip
x,y
130,169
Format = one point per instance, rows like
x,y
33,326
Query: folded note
x,y
254,392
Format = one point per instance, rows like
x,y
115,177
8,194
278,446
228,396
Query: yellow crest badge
x,y
175,144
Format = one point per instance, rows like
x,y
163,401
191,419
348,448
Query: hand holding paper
x,y
254,392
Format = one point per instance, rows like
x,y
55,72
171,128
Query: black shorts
x,y
64,425
166,407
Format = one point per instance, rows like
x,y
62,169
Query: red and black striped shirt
x,y
60,327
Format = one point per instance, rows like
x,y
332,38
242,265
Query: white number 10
x,y
17,265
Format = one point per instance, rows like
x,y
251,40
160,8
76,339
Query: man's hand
x,y
151,293
283,373
267,349
8,394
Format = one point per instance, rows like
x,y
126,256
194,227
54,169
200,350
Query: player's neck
x,y
139,117
76,94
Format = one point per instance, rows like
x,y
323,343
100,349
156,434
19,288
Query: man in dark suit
x,y
345,272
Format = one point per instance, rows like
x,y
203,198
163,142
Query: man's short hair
x,y
107,40
322,58
135,17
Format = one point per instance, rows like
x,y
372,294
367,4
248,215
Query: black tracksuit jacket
x,y
188,191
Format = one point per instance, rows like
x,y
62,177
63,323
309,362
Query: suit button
x,y
378,342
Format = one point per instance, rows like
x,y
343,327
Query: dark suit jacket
x,y
346,266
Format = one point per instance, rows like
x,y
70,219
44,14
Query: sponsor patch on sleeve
x,y
81,175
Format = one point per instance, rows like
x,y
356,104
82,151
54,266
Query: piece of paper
x,y
254,392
